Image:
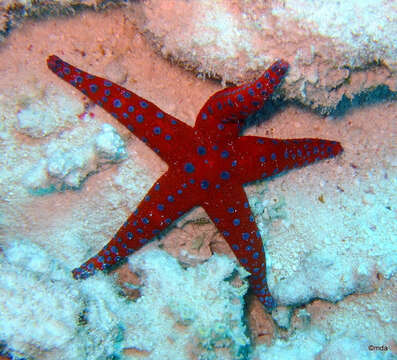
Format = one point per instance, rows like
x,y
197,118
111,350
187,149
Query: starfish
x,y
207,166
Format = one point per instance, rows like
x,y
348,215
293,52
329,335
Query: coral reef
x,y
181,313
327,48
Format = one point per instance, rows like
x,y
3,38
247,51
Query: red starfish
x,y
207,165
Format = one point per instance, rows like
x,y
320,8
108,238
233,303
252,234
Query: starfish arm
x,y
231,214
265,157
236,103
162,205
159,130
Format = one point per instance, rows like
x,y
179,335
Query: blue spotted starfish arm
x,y
231,214
222,115
157,129
262,157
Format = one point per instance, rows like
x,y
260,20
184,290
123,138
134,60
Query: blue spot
x,y
224,154
219,105
260,141
221,126
258,234
240,97
107,92
167,137
130,235
246,205
204,116
235,247
184,185
192,181
216,220
201,150
130,108
101,259
215,147
93,88
157,130
234,163
143,104
204,184
126,94
107,83
117,103
236,222
139,118
139,230
273,157
226,233
173,122
90,266
251,218
299,153
147,197
79,79
114,250
168,221
329,149
262,159
286,154
125,116
248,248
145,220
225,175
256,255
251,91
245,235
244,261
179,191
315,150
259,85
170,198
189,167
157,187
308,153
230,210
159,114
160,207
155,231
